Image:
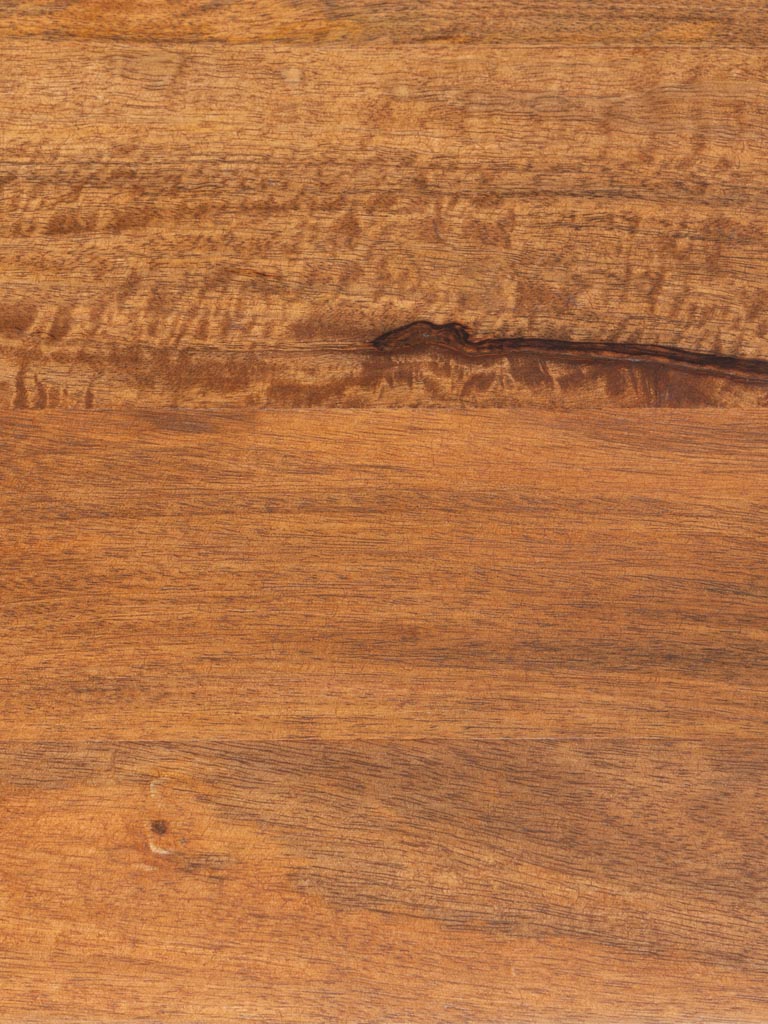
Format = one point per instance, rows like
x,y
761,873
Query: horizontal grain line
x,y
321,40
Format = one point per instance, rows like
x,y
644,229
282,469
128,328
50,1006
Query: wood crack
x,y
422,335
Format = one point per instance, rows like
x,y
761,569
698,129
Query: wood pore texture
x,y
351,675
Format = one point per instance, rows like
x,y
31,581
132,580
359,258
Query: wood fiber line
x,y
361,716
313,22
383,573
426,881
194,224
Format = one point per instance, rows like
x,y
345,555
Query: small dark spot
x,y
20,398
16,318
60,327
41,401
160,827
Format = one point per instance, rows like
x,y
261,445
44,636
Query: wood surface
x,y
384,715
383,620
209,204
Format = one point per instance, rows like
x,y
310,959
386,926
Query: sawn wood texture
x,y
383,715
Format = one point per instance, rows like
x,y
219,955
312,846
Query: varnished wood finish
x,y
223,204
310,22
318,711
329,716
661,374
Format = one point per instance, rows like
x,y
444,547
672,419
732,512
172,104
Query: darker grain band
x,y
454,337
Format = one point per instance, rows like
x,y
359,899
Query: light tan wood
x,y
374,715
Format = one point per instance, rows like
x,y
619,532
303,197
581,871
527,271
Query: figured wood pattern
x,y
216,208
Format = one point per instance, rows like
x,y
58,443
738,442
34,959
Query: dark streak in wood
x,y
422,335
20,397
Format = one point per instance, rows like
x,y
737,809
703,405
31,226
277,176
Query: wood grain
x,y
428,881
311,22
376,715
226,205
315,708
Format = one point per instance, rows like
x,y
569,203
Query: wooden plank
x,y
377,715
311,22
426,881
198,224
383,572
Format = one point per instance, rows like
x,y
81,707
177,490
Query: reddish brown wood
x,y
432,716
